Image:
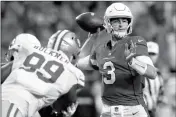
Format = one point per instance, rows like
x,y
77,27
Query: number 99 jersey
x,y
39,76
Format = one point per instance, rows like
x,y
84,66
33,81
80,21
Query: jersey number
x,y
110,80
35,61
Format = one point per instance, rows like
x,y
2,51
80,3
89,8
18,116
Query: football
x,y
65,100
89,22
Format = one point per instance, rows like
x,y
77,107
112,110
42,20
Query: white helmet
x,y
25,40
65,41
118,10
21,40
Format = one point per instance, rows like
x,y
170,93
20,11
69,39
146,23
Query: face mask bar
x,y
110,28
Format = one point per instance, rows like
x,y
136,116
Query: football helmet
x,y
65,41
21,40
118,10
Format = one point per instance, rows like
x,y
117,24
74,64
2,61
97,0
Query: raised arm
x,y
85,61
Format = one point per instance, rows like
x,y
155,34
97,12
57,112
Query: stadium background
x,y
155,21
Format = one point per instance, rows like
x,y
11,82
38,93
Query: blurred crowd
x,y
155,21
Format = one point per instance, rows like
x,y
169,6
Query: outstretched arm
x,y
89,44
87,47
83,61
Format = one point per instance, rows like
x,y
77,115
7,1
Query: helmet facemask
x,y
118,10
67,42
9,55
70,50
20,41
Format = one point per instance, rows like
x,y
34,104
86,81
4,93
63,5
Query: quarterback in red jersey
x,y
123,62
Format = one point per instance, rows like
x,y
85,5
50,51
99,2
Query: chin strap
x,y
119,34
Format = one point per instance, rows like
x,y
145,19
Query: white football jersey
x,y
39,76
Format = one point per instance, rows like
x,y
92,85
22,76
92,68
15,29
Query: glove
x,y
70,110
95,35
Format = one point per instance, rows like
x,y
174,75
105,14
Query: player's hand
x,y
94,36
70,110
130,51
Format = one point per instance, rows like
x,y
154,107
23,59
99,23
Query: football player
x,y
68,38
6,69
153,90
123,62
38,76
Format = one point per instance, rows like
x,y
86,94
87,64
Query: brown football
x,y
89,22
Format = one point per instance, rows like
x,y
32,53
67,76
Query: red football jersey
x,y
122,85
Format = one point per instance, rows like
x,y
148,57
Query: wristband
x,y
140,67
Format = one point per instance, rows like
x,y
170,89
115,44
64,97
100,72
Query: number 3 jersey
x,y
122,85
39,76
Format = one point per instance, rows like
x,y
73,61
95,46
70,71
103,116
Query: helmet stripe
x,y
53,43
59,39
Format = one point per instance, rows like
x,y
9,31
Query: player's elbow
x,y
52,93
151,72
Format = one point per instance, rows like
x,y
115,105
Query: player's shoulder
x,y
104,37
103,44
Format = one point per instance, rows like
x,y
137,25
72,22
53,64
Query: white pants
x,y
123,111
10,110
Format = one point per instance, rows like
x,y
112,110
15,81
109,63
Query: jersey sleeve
x,y
141,46
79,75
81,78
71,76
